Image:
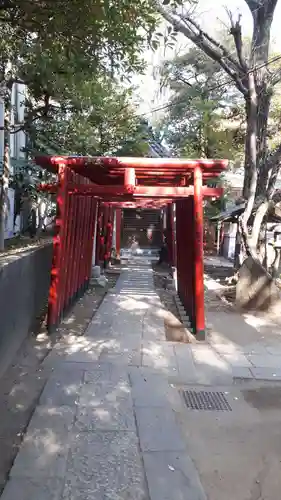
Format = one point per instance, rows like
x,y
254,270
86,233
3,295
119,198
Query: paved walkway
x,y
108,423
106,428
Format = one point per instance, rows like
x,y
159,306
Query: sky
x,y
211,19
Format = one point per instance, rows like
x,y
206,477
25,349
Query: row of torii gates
x,y
92,191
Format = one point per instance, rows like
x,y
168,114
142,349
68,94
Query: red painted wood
x,y
70,245
84,241
130,162
198,254
170,192
76,246
55,286
109,234
88,240
99,229
65,253
79,242
118,222
92,242
104,230
170,233
129,180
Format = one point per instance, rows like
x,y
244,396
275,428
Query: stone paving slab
x,y
188,372
108,413
151,333
259,361
172,476
63,387
158,430
265,373
122,344
84,355
254,348
105,465
237,359
241,372
129,358
93,394
149,389
45,447
104,372
108,416
160,356
33,489
274,350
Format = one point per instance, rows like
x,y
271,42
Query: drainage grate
x,y
206,400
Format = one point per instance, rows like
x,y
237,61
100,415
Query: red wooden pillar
x,y
54,300
185,255
189,245
180,265
109,234
98,236
74,248
198,256
170,233
161,225
85,240
70,245
106,214
77,246
92,241
65,252
118,221
79,243
129,180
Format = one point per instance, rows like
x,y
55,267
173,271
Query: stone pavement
x,y
109,421
106,424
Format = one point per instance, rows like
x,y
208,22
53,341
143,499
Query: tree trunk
x,y
251,78
264,99
251,147
4,198
258,220
247,157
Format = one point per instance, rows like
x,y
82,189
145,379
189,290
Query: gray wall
x,y
24,286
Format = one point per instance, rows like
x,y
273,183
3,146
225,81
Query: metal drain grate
x,y
206,400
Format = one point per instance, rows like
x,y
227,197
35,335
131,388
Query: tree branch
x,y
236,32
252,4
274,165
255,5
275,77
203,42
34,115
214,42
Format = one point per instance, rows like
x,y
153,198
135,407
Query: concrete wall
x,y
24,286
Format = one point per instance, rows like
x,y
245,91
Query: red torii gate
x,y
90,188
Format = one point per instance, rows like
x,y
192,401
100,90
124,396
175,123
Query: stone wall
x,y
24,286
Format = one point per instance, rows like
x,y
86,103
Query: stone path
x,y
107,426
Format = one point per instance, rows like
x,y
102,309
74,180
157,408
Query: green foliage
x,y
76,58
102,119
53,46
204,119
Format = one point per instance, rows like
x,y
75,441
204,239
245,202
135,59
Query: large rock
x,y
255,288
